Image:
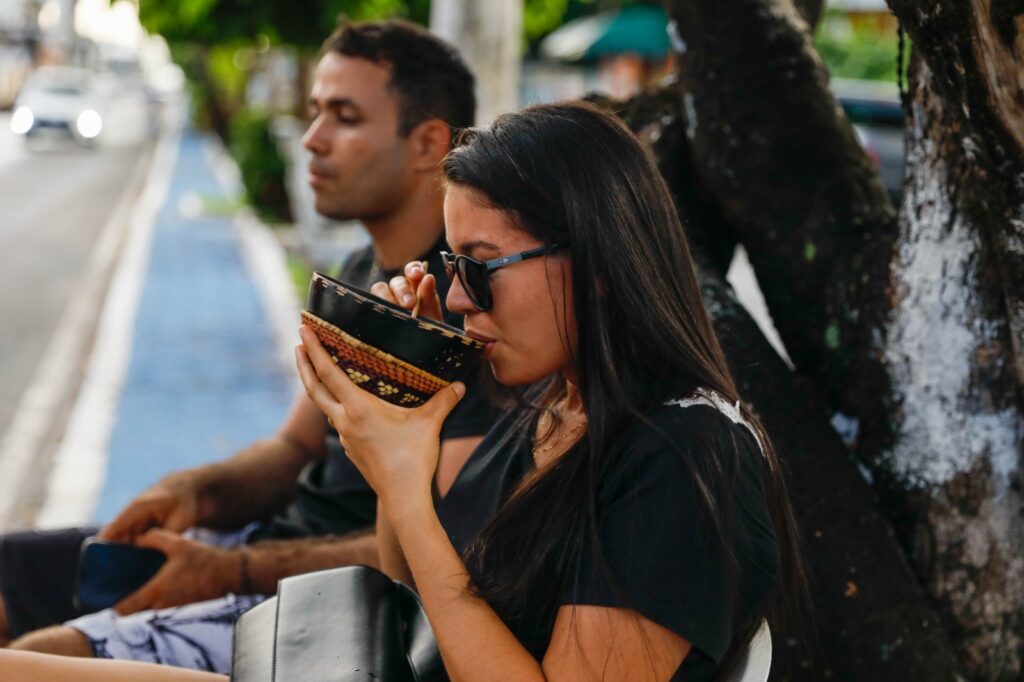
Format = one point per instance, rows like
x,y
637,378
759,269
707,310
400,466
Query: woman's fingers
x,y
414,271
329,373
401,289
430,303
403,292
383,290
315,388
443,402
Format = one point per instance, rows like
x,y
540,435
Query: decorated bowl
x,y
384,349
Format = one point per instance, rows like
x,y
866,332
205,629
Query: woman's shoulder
x,y
694,418
708,429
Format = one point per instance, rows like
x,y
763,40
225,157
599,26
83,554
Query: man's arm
x,y
261,479
251,485
268,561
195,571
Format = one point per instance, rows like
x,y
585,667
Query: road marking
x,y
54,378
80,465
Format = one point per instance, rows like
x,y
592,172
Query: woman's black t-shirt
x,y
669,562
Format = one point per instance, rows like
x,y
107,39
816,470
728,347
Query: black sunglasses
x,y
475,275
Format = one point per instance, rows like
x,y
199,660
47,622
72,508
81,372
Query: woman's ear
x,y
430,141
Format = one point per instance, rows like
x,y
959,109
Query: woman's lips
x,y
488,342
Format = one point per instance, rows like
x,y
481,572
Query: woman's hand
x,y
402,290
395,448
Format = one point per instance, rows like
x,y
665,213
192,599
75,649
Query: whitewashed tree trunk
x,y
953,347
914,327
488,33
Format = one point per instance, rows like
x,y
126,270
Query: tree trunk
x,y
874,622
920,339
777,154
811,11
976,52
489,36
954,346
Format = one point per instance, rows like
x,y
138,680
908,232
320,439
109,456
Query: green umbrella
x,y
638,30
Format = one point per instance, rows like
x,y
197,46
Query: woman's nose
x,y
457,301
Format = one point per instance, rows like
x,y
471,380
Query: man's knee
x,y
59,640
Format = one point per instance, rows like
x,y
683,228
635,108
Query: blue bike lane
x,y
205,375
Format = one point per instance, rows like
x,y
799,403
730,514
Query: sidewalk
x,y
189,362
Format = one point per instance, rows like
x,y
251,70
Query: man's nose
x,y
314,140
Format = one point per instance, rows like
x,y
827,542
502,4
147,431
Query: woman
x,y
627,519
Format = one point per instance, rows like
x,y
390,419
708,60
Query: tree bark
x,y
778,155
953,472
874,622
954,346
920,339
811,11
975,51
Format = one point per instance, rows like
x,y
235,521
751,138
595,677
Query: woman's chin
x,y
501,374
514,374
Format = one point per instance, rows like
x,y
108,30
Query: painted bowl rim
x,y
366,297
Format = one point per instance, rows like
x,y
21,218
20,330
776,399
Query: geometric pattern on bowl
x,y
373,370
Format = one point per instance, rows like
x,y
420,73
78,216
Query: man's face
x,y
359,168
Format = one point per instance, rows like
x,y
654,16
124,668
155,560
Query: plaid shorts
x,y
196,636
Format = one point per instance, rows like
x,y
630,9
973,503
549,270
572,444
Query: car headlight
x,y
89,124
22,120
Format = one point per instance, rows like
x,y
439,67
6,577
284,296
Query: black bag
x,y
351,623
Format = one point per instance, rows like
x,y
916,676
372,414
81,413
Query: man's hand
x,y
194,572
173,504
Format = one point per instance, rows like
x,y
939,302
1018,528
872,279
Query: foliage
x,y
852,51
217,22
263,170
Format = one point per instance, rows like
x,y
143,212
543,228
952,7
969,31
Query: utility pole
x,y
489,34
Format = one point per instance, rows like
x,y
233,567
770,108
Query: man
x,y
385,101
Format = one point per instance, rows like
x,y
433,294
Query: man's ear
x,y
429,142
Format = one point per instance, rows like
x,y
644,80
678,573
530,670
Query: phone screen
x,y
110,571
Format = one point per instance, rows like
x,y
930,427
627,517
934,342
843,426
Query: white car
x,y
62,99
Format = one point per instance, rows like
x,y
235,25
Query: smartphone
x,y
110,571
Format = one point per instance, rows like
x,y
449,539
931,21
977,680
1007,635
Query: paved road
x,y
54,202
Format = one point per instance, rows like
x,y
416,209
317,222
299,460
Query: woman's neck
x,y
558,430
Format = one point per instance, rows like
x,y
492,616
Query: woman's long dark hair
x,y
574,175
